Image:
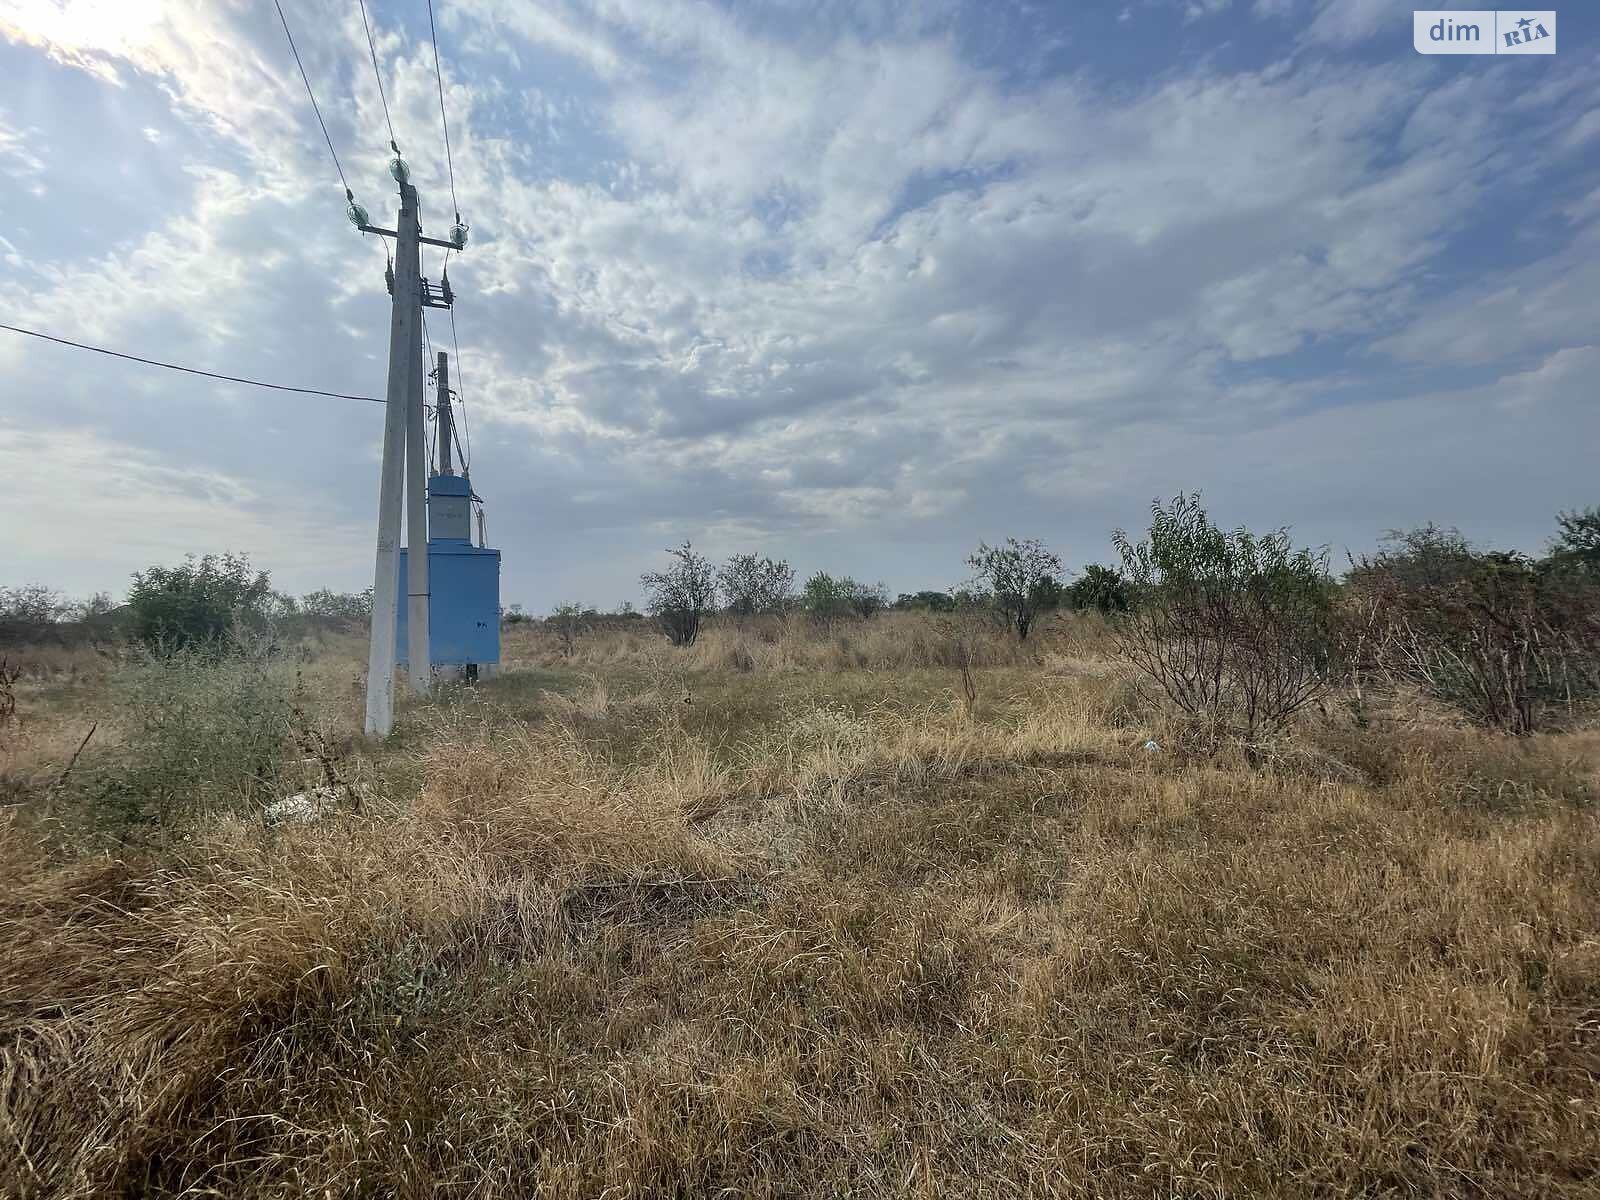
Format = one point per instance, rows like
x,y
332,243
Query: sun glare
x,y
73,27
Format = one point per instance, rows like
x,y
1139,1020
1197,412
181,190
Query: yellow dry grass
x,y
808,927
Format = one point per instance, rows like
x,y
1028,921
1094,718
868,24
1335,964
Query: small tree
x,y
681,596
32,604
1099,588
755,584
1230,628
200,601
1577,546
1021,577
824,598
865,600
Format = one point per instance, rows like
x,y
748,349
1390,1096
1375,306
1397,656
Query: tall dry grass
x,y
901,947
888,642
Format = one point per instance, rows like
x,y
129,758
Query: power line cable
x,y
293,49
152,362
372,49
438,78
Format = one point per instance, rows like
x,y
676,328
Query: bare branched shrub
x,y
567,620
682,596
960,647
1498,636
9,677
866,600
1232,629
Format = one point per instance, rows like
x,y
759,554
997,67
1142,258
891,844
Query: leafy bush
x,y
32,604
1577,547
337,608
755,584
1501,637
203,733
1099,588
925,601
682,596
1233,629
1021,578
200,601
35,613
827,598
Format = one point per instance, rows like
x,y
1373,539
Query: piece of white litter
x,y
304,806
1152,746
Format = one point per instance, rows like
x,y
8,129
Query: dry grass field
x,y
795,913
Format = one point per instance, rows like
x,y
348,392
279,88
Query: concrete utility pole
x,y
405,345
405,465
418,656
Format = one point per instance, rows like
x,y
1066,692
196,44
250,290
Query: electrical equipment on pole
x,y
464,580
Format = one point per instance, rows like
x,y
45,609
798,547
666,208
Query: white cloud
x,y
18,162
104,509
828,287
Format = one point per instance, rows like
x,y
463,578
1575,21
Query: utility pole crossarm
x,y
382,232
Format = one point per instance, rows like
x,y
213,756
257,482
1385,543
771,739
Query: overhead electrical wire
x,y
314,106
372,49
450,166
349,195
153,362
438,78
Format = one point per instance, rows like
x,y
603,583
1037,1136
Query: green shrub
x,y
925,601
752,584
337,608
826,598
200,601
1577,546
202,733
1233,629
1099,588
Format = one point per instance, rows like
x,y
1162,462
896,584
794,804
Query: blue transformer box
x,y
463,586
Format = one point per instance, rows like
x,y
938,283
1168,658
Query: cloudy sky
x,y
857,283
